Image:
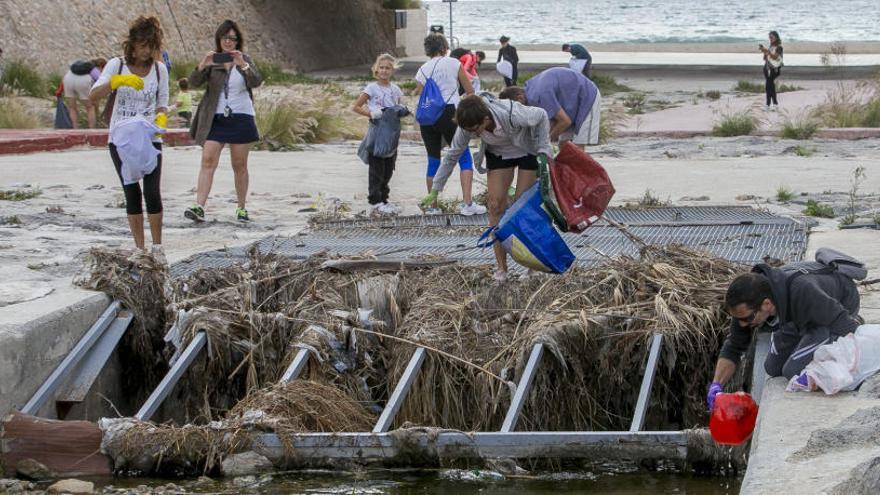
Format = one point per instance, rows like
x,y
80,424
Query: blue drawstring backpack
x,y
527,234
431,102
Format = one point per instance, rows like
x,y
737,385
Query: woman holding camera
x,y
225,115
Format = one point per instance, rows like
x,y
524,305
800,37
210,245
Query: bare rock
x,y
864,479
73,486
32,470
871,387
245,463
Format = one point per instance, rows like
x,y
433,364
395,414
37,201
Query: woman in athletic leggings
x,y
448,73
140,81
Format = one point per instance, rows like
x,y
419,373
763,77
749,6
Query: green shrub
x,y
635,102
713,94
744,86
784,194
816,209
401,4
14,115
648,200
607,84
286,125
787,88
53,81
181,68
19,194
803,127
804,151
21,78
273,74
734,124
842,108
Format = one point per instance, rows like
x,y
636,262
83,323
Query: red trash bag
x,y
733,418
581,186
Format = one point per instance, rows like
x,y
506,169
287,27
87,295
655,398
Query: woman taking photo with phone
x,y
225,115
772,68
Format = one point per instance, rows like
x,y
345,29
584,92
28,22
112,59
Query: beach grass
x,y
19,77
13,115
745,86
739,123
843,108
19,194
401,4
635,103
784,194
181,68
816,209
607,84
803,126
804,151
287,124
713,94
274,74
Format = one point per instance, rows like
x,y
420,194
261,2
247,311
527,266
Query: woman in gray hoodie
x,y
513,137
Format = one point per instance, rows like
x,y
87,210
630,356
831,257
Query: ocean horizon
x,y
661,21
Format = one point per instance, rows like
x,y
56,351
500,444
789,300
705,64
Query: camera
x,y
222,58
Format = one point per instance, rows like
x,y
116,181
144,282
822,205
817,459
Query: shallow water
x,y
650,21
456,482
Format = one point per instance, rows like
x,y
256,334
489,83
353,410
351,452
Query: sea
x,y
656,21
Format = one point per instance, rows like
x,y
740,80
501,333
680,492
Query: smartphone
x,y
222,58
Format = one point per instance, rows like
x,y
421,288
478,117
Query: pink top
x,y
469,62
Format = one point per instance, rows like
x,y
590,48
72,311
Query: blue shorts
x,y
465,162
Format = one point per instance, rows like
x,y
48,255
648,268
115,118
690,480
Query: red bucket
x,y
733,418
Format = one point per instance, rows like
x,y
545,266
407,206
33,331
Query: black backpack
x,y
81,67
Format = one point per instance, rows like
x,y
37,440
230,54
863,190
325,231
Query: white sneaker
x,y
387,209
433,211
500,276
393,208
471,209
158,253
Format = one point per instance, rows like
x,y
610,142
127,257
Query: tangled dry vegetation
x,y
595,323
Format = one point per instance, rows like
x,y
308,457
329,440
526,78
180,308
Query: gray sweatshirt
x,y
528,128
829,300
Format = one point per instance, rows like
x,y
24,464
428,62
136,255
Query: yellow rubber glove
x,y
130,80
161,120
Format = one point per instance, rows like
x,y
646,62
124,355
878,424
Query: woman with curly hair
x,y
138,82
225,115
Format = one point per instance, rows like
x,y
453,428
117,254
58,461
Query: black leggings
x,y
443,129
151,194
770,75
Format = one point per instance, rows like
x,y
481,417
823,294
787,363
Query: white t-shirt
x,y
239,99
131,103
445,70
382,96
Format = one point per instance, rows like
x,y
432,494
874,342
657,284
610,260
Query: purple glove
x,y
714,390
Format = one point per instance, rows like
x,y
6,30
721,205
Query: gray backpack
x,y
827,261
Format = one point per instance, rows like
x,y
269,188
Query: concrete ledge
x,y
35,336
37,140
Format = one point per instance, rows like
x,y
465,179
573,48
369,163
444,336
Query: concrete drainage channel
x,y
738,234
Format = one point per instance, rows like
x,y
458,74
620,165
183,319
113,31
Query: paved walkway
x,y
13,141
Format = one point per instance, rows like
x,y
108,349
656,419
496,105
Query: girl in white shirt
x,y
140,83
377,96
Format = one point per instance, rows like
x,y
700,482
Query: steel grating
x,y
739,234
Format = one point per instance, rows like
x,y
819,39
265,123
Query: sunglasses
x,y
230,38
747,319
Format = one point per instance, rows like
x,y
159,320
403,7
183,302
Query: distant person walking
x,y
447,73
383,107
470,61
772,68
183,102
572,103
508,52
224,116
78,81
581,60
139,81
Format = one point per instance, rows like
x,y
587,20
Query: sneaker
x,y
159,254
195,213
387,209
500,276
471,209
433,211
393,208
241,215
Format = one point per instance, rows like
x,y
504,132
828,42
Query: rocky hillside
x,y
300,34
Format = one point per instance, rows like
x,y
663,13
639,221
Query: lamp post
x,y
450,2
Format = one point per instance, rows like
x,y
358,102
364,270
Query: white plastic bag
x,y
505,68
134,143
577,64
844,364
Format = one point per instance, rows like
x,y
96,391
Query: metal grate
x,y
739,234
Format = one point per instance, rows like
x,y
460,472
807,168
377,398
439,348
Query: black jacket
x,y
804,301
508,53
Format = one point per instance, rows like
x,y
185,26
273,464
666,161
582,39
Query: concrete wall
x,y
410,41
31,347
301,34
